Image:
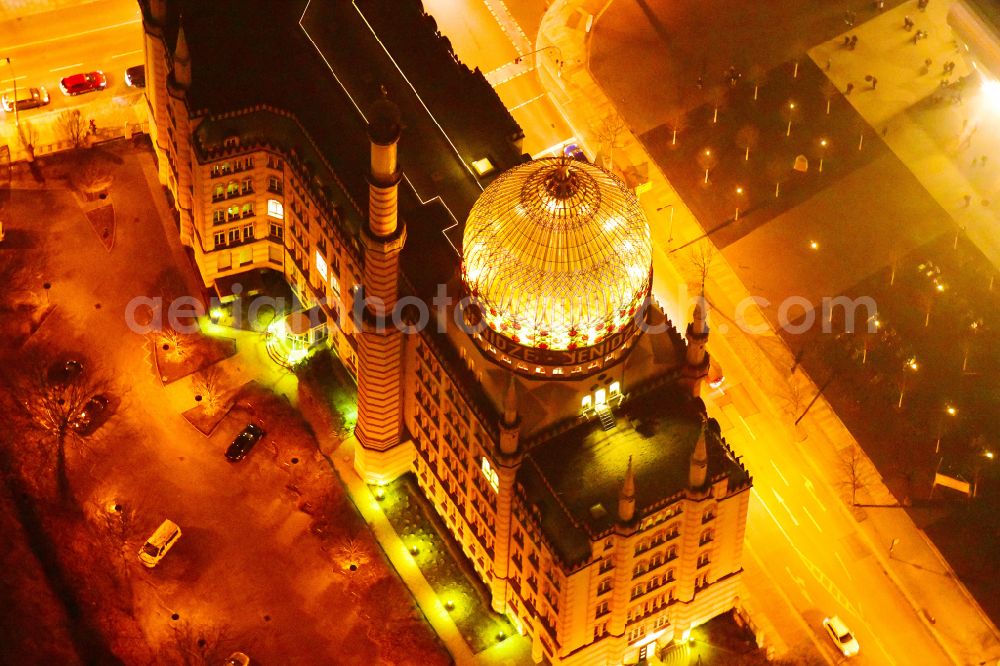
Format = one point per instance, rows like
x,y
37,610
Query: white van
x,y
165,536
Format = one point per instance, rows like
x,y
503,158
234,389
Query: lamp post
x,y
670,227
739,197
559,60
13,78
791,111
949,410
912,366
823,143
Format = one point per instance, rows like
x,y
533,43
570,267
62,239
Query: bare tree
x,y
758,77
676,122
71,125
701,257
51,396
609,133
829,91
175,345
717,95
27,135
93,177
199,645
209,385
747,138
852,461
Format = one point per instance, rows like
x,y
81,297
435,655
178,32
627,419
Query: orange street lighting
x,y
940,287
813,245
951,410
739,193
822,144
791,110
912,364
989,454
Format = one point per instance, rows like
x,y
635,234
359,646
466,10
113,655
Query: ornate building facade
x,y
546,408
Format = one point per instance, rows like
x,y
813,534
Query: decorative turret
x,y
182,60
698,471
697,360
626,498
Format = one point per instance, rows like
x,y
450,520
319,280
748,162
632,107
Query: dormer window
x,y
231,141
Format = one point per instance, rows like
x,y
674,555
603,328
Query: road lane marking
x,y
746,426
59,38
59,69
16,78
526,102
779,472
811,518
126,54
781,501
555,148
846,570
812,491
801,583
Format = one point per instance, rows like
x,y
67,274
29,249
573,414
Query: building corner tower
x,y
508,460
381,453
697,360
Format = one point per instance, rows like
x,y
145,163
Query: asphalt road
x,y
43,48
491,37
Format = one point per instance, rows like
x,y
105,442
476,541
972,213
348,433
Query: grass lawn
x,y
409,512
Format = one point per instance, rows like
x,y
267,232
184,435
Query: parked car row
x,y
27,97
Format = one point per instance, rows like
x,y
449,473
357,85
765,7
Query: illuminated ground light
x,y
449,605
379,493
501,636
414,550
991,93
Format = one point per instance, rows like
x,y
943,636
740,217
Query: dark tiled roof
x,y
568,474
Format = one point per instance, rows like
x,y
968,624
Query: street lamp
x,y
739,194
823,143
670,231
912,366
559,60
950,410
791,110
13,78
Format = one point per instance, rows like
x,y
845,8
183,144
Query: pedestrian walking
x,y
847,41
829,63
922,5
854,41
885,130
907,23
968,200
850,87
874,82
982,160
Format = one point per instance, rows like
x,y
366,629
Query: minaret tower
x,y
696,364
508,460
381,453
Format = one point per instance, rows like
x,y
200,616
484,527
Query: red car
x,y
83,83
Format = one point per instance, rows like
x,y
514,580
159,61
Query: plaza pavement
x,y
935,147
941,602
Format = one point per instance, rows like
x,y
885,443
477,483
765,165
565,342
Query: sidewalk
x,y
961,627
343,458
934,141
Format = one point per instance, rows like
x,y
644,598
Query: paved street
x,y
802,538
47,46
488,34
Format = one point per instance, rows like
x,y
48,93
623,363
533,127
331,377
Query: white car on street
x,y
841,636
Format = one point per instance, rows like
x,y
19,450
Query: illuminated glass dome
x,y
556,254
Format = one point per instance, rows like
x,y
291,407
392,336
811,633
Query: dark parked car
x,y
27,98
136,76
87,419
243,443
83,83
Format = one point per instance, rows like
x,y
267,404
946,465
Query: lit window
x,y
491,475
321,264
585,404
275,209
615,388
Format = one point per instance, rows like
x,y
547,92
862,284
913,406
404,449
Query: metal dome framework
x,y
557,254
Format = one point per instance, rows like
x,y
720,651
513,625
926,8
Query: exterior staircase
x,y
607,417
